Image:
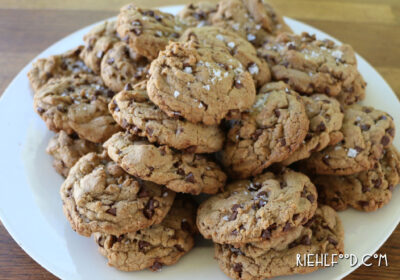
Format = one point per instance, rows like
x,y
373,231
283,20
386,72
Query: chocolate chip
x,y
234,232
142,245
110,60
390,131
233,216
277,113
179,248
266,233
321,127
256,134
295,217
287,227
148,211
185,226
191,149
190,178
156,266
148,13
365,127
327,90
311,198
365,188
283,185
112,211
158,18
367,110
363,204
237,267
282,141
385,140
238,84
262,194
358,149
332,241
376,182
113,239
40,110
180,171
143,193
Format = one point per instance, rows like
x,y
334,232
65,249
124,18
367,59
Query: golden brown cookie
x,y
180,172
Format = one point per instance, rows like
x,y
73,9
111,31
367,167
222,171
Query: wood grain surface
x,y
27,27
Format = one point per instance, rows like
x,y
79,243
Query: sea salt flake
x,y
251,37
337,54
220,37
225,218
188,70
231,45
206,87
253,69
176,93
352,153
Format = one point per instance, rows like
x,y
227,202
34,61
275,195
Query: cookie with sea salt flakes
x,y
199,83
254,20
269,132
155,246
366,133
147,31
322,236
77,104
197,14
66,150
99,196
134,111
265,207
366,191
311,66
326,120
97,42
238,47
178,171
121,65
56,66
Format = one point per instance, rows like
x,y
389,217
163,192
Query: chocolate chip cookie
x,y
312,66
254,20
55,66
121,65
133,110
240,48
197,14
326,120
97,42
366,133
147,31
79,104
153,247
269,132
199,83
260,209
324,234
66,150
98,196
180,172
365,191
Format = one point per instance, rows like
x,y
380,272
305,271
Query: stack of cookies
x,y
156,109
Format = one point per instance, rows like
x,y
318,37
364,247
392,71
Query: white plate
x,y
31,209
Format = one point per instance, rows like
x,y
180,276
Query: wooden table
x,y
27,27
